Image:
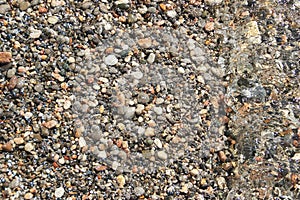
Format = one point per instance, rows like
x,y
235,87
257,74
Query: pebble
x,y
129,112
50,124
139,109
158,110
102,154
213,2
55,3
222,156
171,13
151,58
209,26
39,87
221,182
11,72
139,191
149,132
53,19
181,70
252,32
35,33
158,143
29,147
71,60
28,195
145,42
19,140
121,180
162,155
59,192
82,142
194,172
13,82
24,5
7,147
143,98
137,75
5,57
4,8
111,60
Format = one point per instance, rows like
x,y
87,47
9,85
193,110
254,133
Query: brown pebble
x,y
222,156
12,83
50,124
5,57
209,26
42,10
7,147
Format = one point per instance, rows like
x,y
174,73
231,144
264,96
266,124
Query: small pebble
x,y
35,34
24,5
149,132
110,60
151,58
121,180
209,26
29,147
19,140
50,124
162,155
59,192
158,143
139,191
28,195
7,147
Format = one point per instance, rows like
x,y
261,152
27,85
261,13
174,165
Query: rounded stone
x,y
59,192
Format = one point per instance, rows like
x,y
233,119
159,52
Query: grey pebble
x,y
110,60
143,98
162,155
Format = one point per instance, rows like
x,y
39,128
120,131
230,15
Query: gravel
x,y
149,99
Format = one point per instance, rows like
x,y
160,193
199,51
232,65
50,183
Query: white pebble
x,y
59,192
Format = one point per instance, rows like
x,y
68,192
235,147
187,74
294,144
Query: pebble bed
x,y
195,99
